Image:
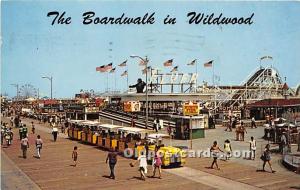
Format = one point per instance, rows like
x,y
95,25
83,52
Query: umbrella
x,y
291,125
277,119
157,136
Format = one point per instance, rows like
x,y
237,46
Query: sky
x,y
32,47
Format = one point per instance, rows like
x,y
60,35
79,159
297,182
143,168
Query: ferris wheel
x,y
28,91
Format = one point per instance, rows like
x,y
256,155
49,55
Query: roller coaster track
x,y
263,83
126,118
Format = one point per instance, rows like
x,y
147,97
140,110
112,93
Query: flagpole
x,y
213,81
115,81
213,74
127,75
196,77
107,82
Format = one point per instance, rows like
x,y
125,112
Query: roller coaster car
x,y
172,156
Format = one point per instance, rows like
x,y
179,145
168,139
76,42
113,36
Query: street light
x,y
146,64
17,86
50,79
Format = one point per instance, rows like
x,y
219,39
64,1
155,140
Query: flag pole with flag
x,y
192,63
125,73
210,64
123,64
174,69
113,72
168,63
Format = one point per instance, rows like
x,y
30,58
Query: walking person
x,y
142,159
253,124
75,156
157,164
21,132
2,134
283,143
32,128
243,131
266,157
7,137
227,149
25,131
12,122
24,146
54,133
112,161
11,136
215,149
169,129
38,145
252,148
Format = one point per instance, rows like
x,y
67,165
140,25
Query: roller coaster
x,y
263,83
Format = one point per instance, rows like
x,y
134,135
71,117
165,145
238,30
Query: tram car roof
x,y
90,123
158,136
133,130
76,121
109,126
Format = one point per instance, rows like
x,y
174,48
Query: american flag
x,y
125,73
208,64
104,68
112,70
108,67
174,69
142,62
101,68
144,71
168,63
123,64
193,62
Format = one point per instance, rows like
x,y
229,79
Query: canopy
x,y
277,119
76,121
90,123
281,125
30,99
110,126
157,136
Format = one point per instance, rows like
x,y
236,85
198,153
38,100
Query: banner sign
x,y
132,106
191,109
91,109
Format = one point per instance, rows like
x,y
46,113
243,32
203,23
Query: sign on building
x,y
132,106
191,109
91,109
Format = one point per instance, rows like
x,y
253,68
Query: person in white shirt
x,y
142,159
252,148
24,146
38,144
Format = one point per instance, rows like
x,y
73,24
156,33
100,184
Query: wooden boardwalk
x,y
54,170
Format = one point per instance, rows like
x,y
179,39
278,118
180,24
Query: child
x,y
74,156
227,149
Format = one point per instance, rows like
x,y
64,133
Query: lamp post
x,y
17,86
50,79
145,60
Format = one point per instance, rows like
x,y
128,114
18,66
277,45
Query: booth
x,y
185,123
